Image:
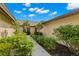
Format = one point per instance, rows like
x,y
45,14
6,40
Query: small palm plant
x,y
17,27
38,26
26,24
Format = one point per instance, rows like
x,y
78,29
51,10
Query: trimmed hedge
x,y
48,43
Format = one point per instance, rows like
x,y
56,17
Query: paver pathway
x,y
38,50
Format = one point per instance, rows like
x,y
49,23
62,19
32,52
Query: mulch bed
x,y
61,50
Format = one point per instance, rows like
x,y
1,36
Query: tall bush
x,y
70,35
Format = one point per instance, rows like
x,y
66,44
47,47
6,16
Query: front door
x,y
28,31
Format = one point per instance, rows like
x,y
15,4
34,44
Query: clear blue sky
x,y
39,11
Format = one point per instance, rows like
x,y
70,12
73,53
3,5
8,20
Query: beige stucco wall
x,y
4,21
50,26
9,30
32,30
5,25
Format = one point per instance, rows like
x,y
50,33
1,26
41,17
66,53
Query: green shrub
x,y
20,45
48,43
70,35
5,49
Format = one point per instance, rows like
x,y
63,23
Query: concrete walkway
x,y
38,50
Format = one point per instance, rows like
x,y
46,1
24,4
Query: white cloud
x,y
33,9
72,6
53,13
18,12
42,11
31,15
27,4
24,9
39,10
